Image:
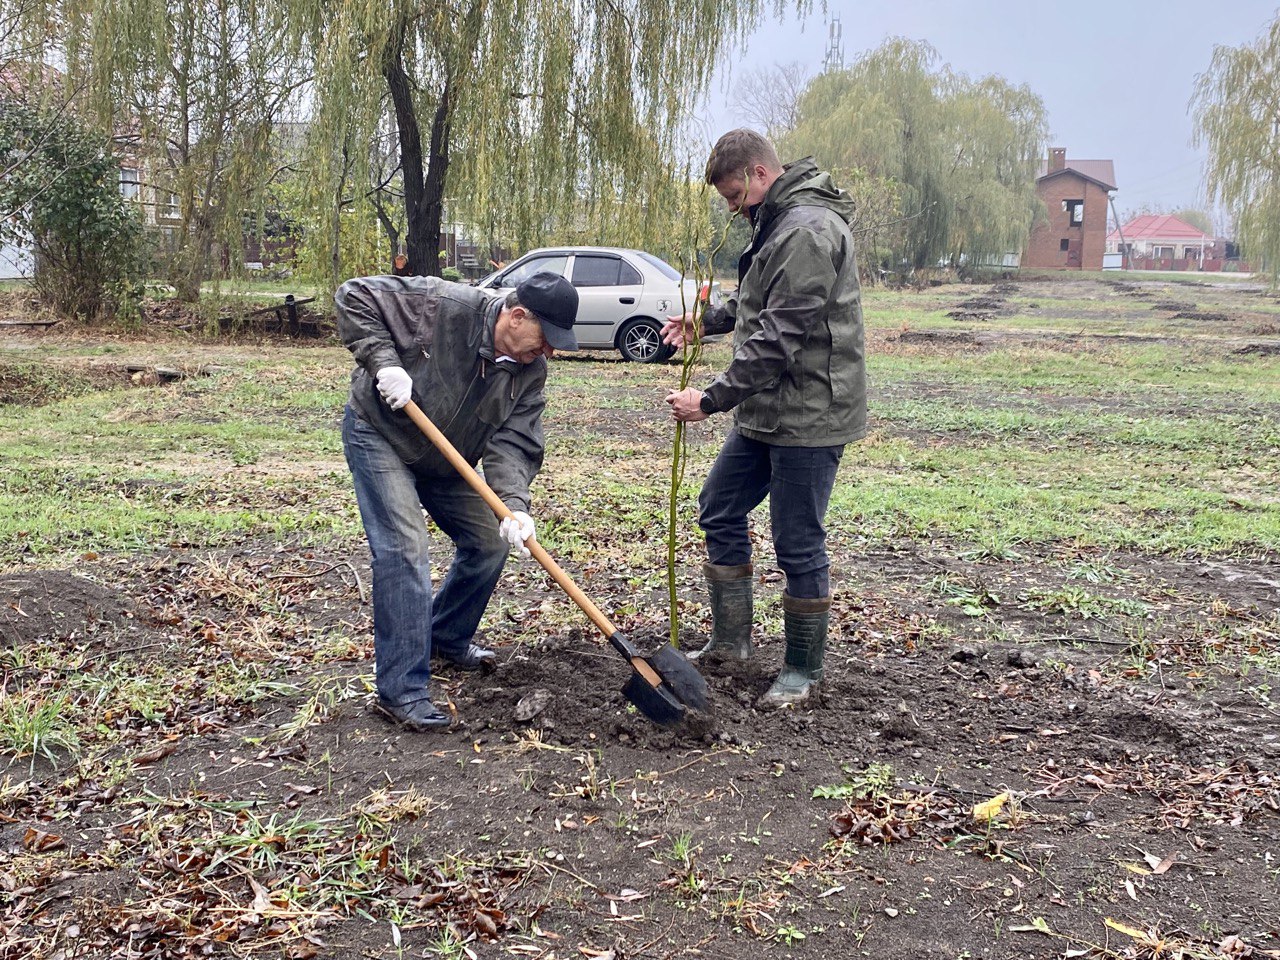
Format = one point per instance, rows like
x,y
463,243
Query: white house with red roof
x,y
1163,242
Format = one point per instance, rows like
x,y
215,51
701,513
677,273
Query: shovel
x,y
662,686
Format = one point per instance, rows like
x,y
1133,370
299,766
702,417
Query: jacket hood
x,y
803,184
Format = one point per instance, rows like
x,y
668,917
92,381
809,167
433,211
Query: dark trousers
x,y
798,482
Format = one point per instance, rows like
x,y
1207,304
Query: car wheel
x,y
640,341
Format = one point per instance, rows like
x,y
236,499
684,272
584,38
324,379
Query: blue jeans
x,y
798,482
406,619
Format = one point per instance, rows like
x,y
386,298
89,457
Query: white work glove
x,y
516,529
396,386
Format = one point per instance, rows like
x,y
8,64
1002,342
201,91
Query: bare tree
x,y
769,99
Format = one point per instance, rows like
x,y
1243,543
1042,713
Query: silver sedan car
x,y
623,295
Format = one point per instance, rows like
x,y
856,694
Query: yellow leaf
x,y
1135,868
1127,930
987,810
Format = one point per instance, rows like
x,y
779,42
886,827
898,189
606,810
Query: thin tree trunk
x,y
335,237
423,244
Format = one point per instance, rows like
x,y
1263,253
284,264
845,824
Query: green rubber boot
x,y
805,624
730,590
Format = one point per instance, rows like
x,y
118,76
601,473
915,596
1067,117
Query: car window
x,y
666,269
593,271
554,263
628,275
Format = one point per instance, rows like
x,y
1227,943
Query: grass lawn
x,y
1056,559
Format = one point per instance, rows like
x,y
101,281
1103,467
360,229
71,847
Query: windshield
x,y
666,269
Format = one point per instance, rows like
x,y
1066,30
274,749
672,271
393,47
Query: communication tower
x,y
834,59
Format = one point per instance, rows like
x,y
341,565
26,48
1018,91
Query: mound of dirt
x,y
57,604
1260,350
983,308
1207,316
948,337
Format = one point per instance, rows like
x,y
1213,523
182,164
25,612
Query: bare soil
x,y
1138,754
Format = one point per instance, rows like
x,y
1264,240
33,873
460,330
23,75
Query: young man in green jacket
x,y
797,389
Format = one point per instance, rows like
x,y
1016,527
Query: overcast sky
x,y
1115,77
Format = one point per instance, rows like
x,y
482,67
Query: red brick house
x,y
1076,194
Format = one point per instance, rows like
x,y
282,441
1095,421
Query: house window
x,y
1191,253
170,207
1064,245
129,183
1075,211
1161,253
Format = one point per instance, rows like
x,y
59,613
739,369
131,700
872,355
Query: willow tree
x,y
1237,115
192,89
993,137
959,154
522,119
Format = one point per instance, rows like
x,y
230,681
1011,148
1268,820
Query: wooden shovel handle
x,y
498,507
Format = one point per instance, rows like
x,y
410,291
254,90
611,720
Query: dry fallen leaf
x,y
159,753
1164,865
38,840
1127,930
261,899
987,810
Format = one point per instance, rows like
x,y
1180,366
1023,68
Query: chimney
x,y
1057,158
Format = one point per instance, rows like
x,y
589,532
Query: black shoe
x,y
473,657
421,716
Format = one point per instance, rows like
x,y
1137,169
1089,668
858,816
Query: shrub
x,y
60,194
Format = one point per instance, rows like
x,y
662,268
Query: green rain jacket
x,y
798,375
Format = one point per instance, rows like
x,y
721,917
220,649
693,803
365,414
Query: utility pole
x,y
834,59
1124,247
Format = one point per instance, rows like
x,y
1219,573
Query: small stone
x,y
1019,660
965,654
890,912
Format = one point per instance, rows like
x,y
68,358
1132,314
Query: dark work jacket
x,y
442,334
798,376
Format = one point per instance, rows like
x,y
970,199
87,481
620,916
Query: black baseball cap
x,y
554,301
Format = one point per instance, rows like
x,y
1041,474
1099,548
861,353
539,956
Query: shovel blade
x,y
677,672
656,703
